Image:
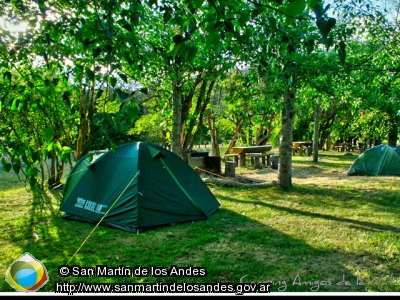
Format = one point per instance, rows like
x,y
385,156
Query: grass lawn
x,y
331,233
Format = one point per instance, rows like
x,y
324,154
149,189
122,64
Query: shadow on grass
x,y
356,223
387,199
323,165
230,246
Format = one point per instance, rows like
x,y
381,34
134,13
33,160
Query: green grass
x,y
330,227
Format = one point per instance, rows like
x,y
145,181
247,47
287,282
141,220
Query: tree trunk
x,y
187,129
262,137
176,116
316,132
286,137
214,134
393,133
202,112
234,137
82,125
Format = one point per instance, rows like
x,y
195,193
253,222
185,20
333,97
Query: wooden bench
x,y
265,159
307,150
235,157
338,148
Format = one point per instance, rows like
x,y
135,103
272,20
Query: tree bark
x,y
393,133
286,137
234,137
214,134
316,132
201,114
176,116
82,124
262,137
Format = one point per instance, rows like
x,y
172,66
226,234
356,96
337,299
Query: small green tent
x,y
137,186
378,160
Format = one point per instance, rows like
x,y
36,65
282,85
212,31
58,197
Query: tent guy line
x,y
134,177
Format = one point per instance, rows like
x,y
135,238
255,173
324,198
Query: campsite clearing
x,y
331,228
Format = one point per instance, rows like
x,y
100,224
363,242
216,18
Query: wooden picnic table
x,y
300,146
242,151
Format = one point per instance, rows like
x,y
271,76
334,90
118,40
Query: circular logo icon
x,y
26,274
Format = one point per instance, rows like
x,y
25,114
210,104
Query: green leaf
x,y
56,81
330,24
99,93
191,53
16,167
321,24
318,9
58,146
244,17
197,3
122,95
90,74
133,112
255,12
295,8
123,77
31,172
178,39
212,39
46,82
218,48
96,52
113,81
272,24
8,75
15,104
6,165
50,147
48,134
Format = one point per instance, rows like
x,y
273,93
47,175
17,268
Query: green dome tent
x,y
137,186
378,160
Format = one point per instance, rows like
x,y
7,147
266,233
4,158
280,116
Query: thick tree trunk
x,y
316,132
286,137
176,116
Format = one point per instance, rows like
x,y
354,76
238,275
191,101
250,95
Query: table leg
x,y
242,160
